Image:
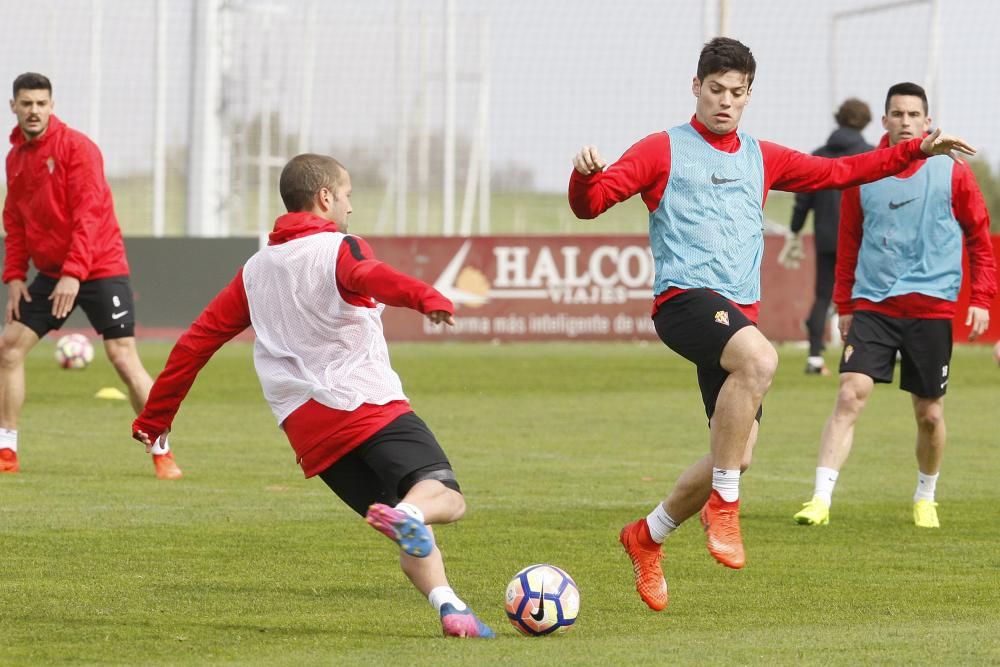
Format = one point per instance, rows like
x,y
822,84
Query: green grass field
x,y
556,446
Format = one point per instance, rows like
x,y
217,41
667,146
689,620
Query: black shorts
x,y
924,347
385,467
107,303
697,324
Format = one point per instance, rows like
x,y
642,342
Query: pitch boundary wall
x,y
506,288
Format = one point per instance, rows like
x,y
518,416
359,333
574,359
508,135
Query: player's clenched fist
x,y
588,161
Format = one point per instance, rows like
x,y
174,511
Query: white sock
x,y
660,524
815,362
926,485
442,595
8,439
161,446
413,511
727,483
826,479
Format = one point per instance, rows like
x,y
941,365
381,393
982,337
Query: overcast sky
x,y
563,72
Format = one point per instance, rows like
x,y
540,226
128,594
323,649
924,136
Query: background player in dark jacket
x,y
852,117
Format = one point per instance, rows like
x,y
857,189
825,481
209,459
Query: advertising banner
x,y
557,288
528,288
505,288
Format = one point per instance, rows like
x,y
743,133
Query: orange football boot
x,y
721,521
165,466
8,460
645,555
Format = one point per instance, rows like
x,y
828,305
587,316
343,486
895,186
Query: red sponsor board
x,y
528,288
511,288
787,296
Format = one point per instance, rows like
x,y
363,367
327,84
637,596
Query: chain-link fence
x,y
460,117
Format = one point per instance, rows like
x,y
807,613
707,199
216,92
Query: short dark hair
x,y
32,81
304,176
853,113
723,54
907,88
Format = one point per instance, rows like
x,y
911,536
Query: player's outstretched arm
x,y
360,273
938,143
225,316
595,186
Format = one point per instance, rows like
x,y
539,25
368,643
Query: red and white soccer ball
x,y
74,351
542,600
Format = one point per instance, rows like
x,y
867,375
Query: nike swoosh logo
x,y
719,181
722,547
539,613
893,205
118,316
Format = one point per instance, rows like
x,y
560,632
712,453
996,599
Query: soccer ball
x,y
542,600
74,351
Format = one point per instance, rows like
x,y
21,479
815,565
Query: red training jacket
x,y
969,209
645,168
58,212
319,435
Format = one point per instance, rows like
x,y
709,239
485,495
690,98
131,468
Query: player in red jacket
x,y
899,269
59,216
705,184
314,297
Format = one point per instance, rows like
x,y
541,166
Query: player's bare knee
x,y
124,358
11,356
851,399
452,503
440,485
759,369
767,363
457,502
930,419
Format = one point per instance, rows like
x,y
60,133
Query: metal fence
x,y
456,117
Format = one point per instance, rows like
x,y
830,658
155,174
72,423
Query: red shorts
x,y
321,435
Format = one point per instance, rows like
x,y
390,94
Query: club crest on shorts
x,y
50,164
848,351
722,317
